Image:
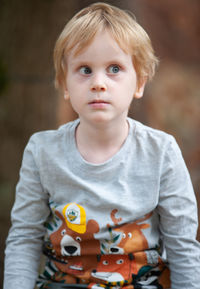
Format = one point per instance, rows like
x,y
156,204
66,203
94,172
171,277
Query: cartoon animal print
x,y
114,268
120,268
67,242
157,277
80,267
124,270
108,244
113,217
128,238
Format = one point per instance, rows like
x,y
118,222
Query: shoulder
x,y
52,136
51,140
151,139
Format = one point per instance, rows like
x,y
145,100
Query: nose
x,y
70,249
98,84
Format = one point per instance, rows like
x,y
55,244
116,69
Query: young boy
x,y
109,199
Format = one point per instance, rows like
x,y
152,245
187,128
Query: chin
x,y
99,118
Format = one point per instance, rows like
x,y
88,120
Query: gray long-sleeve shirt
x,y
146,175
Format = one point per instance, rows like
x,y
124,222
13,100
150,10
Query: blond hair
x,y
82,28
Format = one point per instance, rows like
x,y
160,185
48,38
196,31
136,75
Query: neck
x,y
98,143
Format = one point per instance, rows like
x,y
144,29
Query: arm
x,y
178,221
30,210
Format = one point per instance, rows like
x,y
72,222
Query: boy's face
x,y
101,80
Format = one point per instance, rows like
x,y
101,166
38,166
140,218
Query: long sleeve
x,y
178,221
30,210
147,175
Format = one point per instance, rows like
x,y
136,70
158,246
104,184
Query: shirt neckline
x,y
82,163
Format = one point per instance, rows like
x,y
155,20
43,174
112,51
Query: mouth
x,y
99,103
76,267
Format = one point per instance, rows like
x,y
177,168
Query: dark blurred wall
x,y
172,101
29,102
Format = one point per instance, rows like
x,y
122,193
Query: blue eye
x,y
113,69
85,70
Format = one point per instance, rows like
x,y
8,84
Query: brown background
x,y
29,102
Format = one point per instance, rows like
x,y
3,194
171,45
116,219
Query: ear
x,y
92,227
140,88
144,226
66,94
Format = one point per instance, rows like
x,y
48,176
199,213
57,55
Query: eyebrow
x,y
88,62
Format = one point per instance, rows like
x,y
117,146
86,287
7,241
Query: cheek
x,y
129,92
70,84
133,84
128,83
76,104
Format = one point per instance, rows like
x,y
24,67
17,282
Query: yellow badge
x,y
75,217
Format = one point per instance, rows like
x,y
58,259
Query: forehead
x,y
103,46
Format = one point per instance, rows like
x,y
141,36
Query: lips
x,y
75,269
98,104
98,101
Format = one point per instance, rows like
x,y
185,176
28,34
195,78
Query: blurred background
x,y
29,102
